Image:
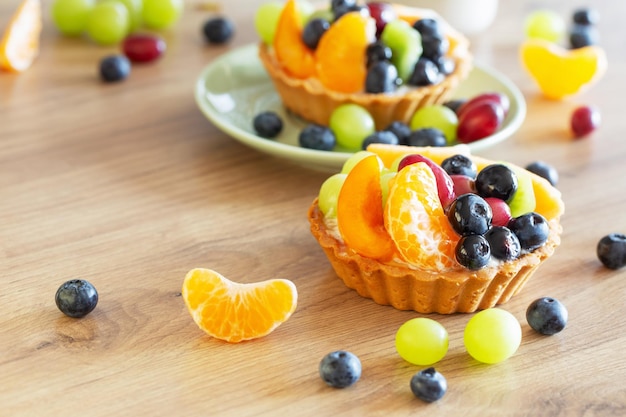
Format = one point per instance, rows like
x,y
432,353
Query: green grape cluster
x,y
108,22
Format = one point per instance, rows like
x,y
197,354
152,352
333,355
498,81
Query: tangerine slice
x,y
234,311
291,52
416,221
20,43
340,54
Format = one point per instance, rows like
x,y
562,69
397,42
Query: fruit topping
x,y
445,186
317,137
496,180
313,31
376,52
459,165
584,120
500,210
422,341
267,124
425,72
545,170
531,229
233,311
473,252
382,13
429,385
382,77
492,335
463,184
546,315
340,369
406,46
329,194
504,243
611,250
76,298
218,30
114,68
291,51
470,214
143,48
266,20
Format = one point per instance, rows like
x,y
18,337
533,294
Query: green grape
x,y
437,116
353,160
422,341
134,8
266,20
523,201
492,335
161,14
108,23
544,24
70,16
351,124
406,46
329,193
385,176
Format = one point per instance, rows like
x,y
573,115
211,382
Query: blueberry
x,y
544,170
429,385
313,31
341,4
340,11
446,65
473,252
546,315
401,130
581,36
459,165
434,47
428,27
498,181
267,124
377,51
611,250
382,77
383,136
218,30
470,214
504,244
424,73
76,298
317,137
585,16
340,369
114,68
455,104
531,229
428,136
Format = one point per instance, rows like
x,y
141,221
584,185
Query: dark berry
x,y
340,369
313,31
267,124
585,16
382,77
434,47
354,8
497,181
429,385
473,252
428,27
455,104
446,65
459,165
218,30
546,315
317,137
401,130
531,229
581,36
470,214
76,298
377,51
544,170
504,244
428,136
114,68
611,250
341,4
383,136
424,73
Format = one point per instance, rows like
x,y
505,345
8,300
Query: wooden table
x,y
129,186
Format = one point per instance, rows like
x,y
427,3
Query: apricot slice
x,y
548,199
291,52
340,54
360,211
561,72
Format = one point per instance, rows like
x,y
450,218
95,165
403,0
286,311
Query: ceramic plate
x,y
235,87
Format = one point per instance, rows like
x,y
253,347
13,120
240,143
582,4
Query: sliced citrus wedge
x,y
234,311
20,43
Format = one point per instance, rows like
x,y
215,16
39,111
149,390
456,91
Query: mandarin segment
x,y
340,54
233,311
19,45
416,221
291,52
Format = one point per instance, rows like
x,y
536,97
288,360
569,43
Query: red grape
x,y
479,121
496,98
585,119
143,48
445,187
382,13
500,210
463,184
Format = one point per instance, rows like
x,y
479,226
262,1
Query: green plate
x,y
235,87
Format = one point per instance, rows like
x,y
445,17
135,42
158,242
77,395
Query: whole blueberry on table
x,y
429,385
547,315
340,369
76,298
218,30
611,250
114,68
267,124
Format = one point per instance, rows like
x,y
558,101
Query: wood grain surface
x,y
129,186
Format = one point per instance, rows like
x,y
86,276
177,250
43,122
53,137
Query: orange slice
x,y
416,221
561,72
291,52
233,311
20,43
340,54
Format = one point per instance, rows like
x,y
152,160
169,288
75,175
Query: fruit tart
x,y
389,59
435,229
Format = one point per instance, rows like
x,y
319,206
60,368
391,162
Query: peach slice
x,y
360,211
291,52
561,72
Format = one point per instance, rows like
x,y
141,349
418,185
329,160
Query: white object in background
x,y
467,16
